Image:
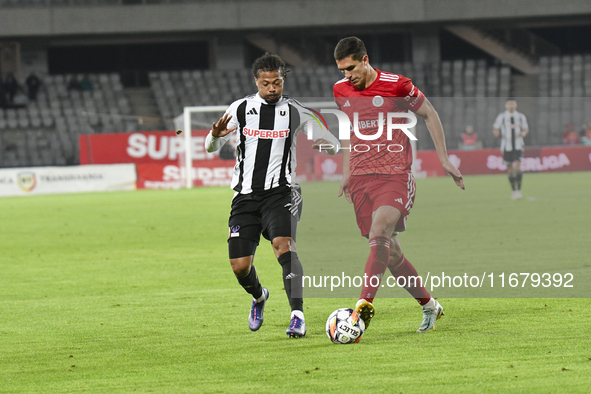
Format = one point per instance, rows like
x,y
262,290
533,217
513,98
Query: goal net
x,y
202,117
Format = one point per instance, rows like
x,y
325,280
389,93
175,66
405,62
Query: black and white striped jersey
x,y
510,125
266,137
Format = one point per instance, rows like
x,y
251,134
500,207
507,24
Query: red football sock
x,y
375,267
405,269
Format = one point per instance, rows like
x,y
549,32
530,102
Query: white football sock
x,y
299,314
430,305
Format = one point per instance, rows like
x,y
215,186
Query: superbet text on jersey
x,y
389,93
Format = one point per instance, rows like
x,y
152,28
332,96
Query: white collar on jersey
x,y
261,100
507,113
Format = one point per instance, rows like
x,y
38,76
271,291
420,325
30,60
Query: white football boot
x,y
430,316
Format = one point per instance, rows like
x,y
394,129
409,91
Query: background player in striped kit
x,y
380,183
512,127
267,200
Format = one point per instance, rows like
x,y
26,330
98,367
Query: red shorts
x,y
369,192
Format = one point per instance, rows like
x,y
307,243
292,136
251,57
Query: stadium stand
x,y
460,80
465,92
45,131
564,88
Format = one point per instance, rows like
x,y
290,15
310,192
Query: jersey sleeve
x,y
498,122
413,98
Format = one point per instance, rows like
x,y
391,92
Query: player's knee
x,y
241,266
384,221
382,228
378,231
281,245
281,249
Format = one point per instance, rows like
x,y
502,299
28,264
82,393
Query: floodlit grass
x,y
132,292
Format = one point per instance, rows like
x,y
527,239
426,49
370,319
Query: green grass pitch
x,y
132,293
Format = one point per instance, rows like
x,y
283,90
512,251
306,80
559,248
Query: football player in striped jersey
x,y
267,200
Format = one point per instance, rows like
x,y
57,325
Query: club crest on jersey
x,y
282,113
377,101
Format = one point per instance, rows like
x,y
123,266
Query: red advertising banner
x,y
141,147
170,176
158,157
216,172
477,162
490,161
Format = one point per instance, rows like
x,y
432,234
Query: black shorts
x,y
273,213
510,156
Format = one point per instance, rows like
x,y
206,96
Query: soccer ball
x,y
344,326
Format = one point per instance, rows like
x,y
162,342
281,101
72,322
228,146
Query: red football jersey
x,y
388,93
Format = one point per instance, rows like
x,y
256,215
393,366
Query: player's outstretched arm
x,y
215,139
427,112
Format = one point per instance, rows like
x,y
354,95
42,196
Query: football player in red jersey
x,y
377,176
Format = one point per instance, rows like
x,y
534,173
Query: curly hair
x,y
269,62
350,46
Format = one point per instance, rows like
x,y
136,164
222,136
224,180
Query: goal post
x,y
185,123
196,117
